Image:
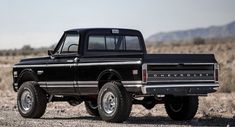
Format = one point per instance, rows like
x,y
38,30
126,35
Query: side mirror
x,y
50,52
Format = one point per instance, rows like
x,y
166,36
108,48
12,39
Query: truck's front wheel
x,y
114,102
181,108
31,100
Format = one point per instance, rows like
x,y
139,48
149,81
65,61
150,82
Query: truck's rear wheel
x,y
92,108
181,108
31,100
114,102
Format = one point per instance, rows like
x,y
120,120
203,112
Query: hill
x,y
224,31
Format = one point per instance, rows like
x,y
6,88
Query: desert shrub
x,y
227,80
198,41
7,53
26,50
1,53
13,53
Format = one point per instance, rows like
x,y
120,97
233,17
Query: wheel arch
x,y
108,75
26,75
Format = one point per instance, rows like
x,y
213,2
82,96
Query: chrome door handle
x,y
75,60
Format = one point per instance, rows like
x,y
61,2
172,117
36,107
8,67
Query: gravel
x,y
63,115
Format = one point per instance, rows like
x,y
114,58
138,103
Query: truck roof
x,y
105,30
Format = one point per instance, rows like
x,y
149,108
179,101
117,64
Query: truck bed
x,y
179,58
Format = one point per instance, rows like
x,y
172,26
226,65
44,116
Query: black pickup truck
x,y
109,70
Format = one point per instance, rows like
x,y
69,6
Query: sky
x,y
42,22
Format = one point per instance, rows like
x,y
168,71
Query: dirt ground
x,y
214,110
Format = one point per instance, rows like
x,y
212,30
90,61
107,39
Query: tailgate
x,y
182,73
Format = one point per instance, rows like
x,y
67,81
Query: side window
x,y
132,43
111,42
121,43
114,43
70,44
96,43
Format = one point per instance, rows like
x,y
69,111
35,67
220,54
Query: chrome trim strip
x,y
79,64
76,86
199,63
179,63
144,88
70,61
60,83
69,84
132,82
137,85
216,67
82,86
183,85
87,82
49,86
110,63
20,66
79,86
60,65
175,85
182,81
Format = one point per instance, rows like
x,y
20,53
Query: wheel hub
x,y
26,101
109,102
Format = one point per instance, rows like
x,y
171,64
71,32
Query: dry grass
x,y
219,104
6,64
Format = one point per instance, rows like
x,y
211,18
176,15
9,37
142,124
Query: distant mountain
x,y
227,30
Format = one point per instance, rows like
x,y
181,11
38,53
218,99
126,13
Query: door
x,y
61,67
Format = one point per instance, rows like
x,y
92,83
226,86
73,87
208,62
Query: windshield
x,y
69,44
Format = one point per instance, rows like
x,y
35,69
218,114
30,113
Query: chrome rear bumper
x,y
192,88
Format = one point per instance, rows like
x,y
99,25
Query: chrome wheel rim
x,y
109,102
26,101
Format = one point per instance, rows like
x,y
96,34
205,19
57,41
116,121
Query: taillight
x,y
216,72
144,72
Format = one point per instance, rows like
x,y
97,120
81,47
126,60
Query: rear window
x,y
114,43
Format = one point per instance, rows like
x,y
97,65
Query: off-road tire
x,y
123,106
91,110
187,107
39,100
